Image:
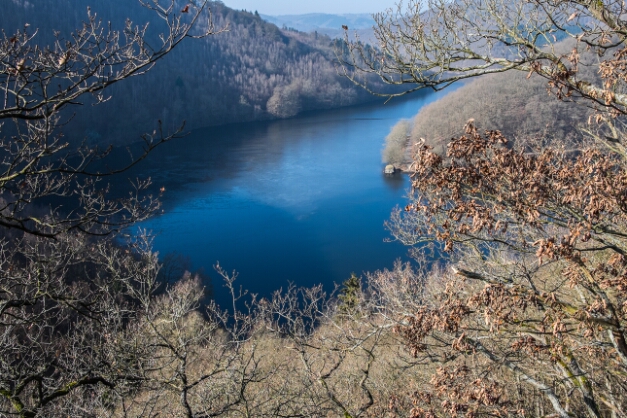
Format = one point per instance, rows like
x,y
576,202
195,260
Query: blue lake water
x,y
300,200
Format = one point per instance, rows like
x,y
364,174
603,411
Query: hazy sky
x,y
287,7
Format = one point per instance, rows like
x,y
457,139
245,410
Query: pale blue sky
x,y
286,7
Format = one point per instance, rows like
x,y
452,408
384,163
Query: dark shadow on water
x,y
396,181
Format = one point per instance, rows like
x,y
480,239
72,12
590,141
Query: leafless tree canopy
x,y
434,43
38,82
530,316
65,298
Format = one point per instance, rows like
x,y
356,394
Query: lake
x,y
301,200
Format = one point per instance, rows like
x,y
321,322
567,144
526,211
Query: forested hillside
x,y
519,107
251,71
515,103
509,102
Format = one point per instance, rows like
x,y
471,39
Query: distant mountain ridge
x,y
328,24
312,21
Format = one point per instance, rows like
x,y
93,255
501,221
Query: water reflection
x,y
396,181
300,200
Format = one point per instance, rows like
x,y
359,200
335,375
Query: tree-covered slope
x,y
509,102
519,104
251,71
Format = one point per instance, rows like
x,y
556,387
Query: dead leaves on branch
x,y
483,186
457,391
557,311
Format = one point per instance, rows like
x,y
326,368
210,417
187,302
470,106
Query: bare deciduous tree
x,y
395,146
39,82
530,317
434,43
535,300
66,299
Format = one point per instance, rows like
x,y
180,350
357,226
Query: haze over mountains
x,y
327,24
313,21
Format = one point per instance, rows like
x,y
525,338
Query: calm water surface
x,y
300,200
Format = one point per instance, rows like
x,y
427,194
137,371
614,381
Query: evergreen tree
x,y
350,295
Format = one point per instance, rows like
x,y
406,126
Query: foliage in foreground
x,y
537,300
108,345
533,305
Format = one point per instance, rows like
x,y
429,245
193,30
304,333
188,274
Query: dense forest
x,y
517,106
252,70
